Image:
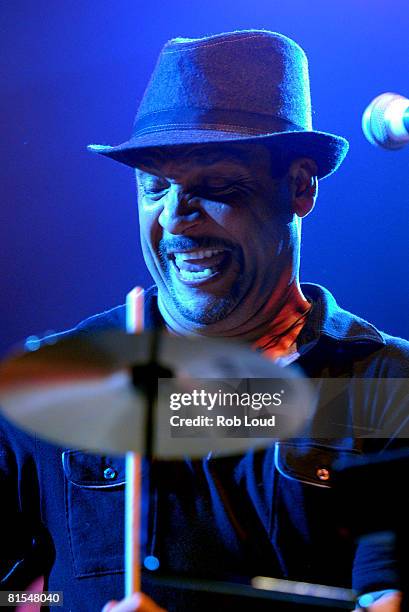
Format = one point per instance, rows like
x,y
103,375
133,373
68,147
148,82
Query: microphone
x,y
385,121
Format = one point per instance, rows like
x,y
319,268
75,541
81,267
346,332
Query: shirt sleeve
x,y
375,565
21,556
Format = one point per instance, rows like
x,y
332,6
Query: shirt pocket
x,y
94,505
310,462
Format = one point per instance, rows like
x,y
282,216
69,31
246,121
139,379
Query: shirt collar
x,y
326,318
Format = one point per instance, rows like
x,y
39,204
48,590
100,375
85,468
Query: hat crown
x,y
256,77
247,86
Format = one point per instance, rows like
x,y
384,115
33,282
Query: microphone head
x,y
382,121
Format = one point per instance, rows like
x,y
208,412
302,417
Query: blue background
x,y
72,73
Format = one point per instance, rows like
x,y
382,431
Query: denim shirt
x,y
265,513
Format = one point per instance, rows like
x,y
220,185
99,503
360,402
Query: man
x,y
227,165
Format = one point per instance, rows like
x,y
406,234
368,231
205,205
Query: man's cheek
x,y
149,243
149,226
222,214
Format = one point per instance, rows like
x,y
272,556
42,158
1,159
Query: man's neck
x,y
279,338
277,316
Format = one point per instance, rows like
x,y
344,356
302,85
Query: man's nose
x,y
181,211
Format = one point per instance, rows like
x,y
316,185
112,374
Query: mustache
x,y
186,243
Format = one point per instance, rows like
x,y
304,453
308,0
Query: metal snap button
x,y
109,473
323,474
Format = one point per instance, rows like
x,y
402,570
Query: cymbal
x,y
89,391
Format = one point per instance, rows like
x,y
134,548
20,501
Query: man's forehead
x,y
202,154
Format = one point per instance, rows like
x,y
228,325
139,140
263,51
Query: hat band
x,y
239,122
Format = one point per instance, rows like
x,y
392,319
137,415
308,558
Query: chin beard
x,y
208,310
216,311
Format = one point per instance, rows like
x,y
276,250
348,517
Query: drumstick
x,y
133,468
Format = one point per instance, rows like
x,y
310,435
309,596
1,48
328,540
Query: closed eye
x,y
221,186
154,187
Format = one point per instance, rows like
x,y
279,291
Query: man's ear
x,y
303,185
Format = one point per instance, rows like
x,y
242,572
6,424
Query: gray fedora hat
x,y
244,86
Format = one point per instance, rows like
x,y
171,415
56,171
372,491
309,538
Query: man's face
x,y
218,232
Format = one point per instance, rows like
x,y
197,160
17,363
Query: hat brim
x,y
327,150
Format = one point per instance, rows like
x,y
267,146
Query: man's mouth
x,y
200,265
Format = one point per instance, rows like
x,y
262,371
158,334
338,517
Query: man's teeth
x,y
186,261
179,257
186,275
